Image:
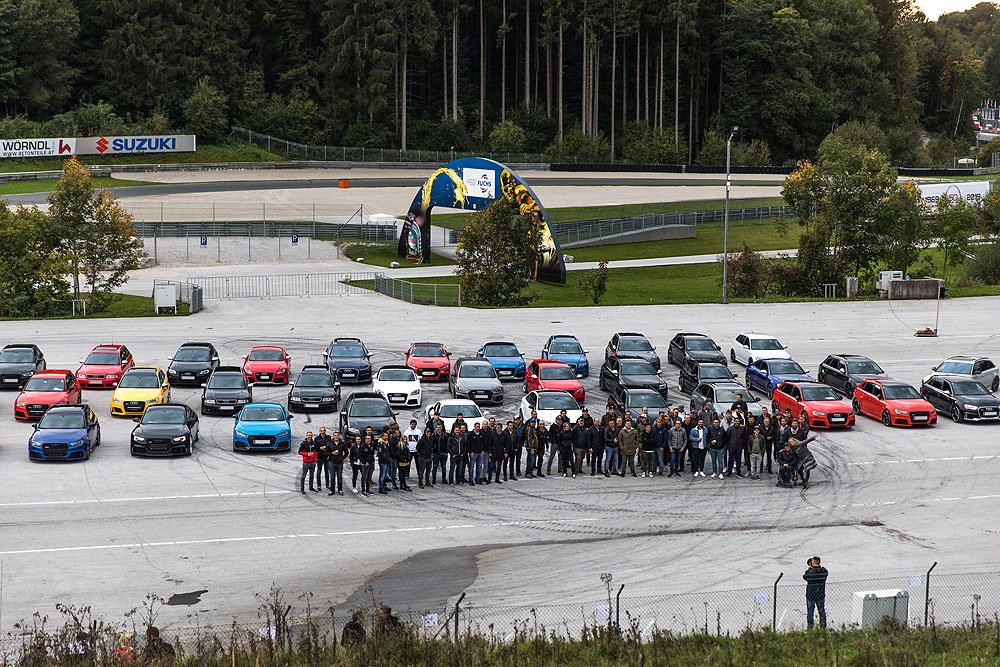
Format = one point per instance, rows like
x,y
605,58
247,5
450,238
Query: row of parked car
x,y
631,374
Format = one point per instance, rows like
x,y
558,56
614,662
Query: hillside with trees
x,y
643,80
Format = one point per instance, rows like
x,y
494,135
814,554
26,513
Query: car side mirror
x,y
615,371
249,384
395,414
136,419
215,358
586,351
291,416
170,358
81,361
204,384
934,368
336,385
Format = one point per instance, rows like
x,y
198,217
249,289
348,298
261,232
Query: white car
x,y
451,407
549,403
748,347
399,385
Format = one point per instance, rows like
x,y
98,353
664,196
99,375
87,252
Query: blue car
x,y
262,427
65,433
505,358
349,360
568,350
765,375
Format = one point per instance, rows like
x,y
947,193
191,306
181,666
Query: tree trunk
x,y
595,126
503,62
560,77
482,71
583,81
624,82
527,53
444,69
663,82
638,64
402,81
690,133
677,84
646,75
614,65
548,79
454,66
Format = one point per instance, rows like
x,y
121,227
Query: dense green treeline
x,y
645,80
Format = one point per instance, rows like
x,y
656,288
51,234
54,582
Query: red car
x,y
430,361
267,363
104,366
45,389
895,403
813,402
552,374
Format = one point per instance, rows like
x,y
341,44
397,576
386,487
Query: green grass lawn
x,y
32,187
384,255
124,305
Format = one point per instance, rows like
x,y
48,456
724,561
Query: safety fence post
x,y
458,602
618,607
774,601
927,592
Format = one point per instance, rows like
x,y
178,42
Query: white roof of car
x,y
755,334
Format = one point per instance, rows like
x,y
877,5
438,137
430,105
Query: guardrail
x,y
281,285
373,232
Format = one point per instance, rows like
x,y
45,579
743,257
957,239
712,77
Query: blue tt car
x,y
505,358
65,433
765,375
262,427
568,350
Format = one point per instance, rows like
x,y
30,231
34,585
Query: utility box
x,y
885,277
851,284
872,608
165,298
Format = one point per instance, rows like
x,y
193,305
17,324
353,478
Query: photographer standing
x,y
815,578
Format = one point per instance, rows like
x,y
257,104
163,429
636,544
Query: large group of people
x,y
672,443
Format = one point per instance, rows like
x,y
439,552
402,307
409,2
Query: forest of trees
x,y
643,80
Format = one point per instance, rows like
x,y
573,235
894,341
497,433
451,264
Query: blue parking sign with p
x,y
295,239
204,240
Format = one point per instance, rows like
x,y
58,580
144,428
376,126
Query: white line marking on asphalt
x,y
946,458
221,540
138,499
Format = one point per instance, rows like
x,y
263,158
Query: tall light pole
x,y
725,224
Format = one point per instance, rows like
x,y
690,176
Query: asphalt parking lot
x,y
106,532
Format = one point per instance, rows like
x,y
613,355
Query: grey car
x,y
693,374
632,373
722,395
980,369
18,363
844,372
475,379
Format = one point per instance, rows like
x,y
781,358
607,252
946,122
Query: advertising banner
x,y
67,146
480,183
36,147
971,191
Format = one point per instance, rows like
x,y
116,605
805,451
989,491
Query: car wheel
x,y
746,381
848,389
856,407
956,414
770,390
886,419
97,443
732,354
996,383
821,377
749,360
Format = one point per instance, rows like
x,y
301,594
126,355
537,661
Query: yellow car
x,y
140,387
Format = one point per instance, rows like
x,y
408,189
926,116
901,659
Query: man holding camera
x,y
815,578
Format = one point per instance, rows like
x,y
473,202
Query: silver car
x,y
980,369
722,395
476,380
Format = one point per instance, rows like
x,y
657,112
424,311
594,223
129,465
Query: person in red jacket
x,y
307,450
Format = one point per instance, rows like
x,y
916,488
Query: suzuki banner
x,y
175,143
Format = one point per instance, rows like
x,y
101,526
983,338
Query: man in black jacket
x,y
739,404
815,578
717,447
477,454
554,431
498,454
439,455
338,452
735,442
323,467
458,449
511,445
596,449
425,453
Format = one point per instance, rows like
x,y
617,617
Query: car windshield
x,y
821,393
956,367
729,396
262,414
969,389
314,380
135,380
900,392
267,355
500,351
194,353
346,351
786,368
557,400
565,347
62,420
715,372
396,375
468,411
765,344
13,356
45,384
370,408
102,359
637,368
556,373
428,352
646,400
634,345
155,415
476,371
864,368
227,381
701,344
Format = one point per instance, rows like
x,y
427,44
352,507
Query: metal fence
x,y
374,232
436,294
279,285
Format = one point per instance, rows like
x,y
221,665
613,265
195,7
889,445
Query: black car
x,y
631,372
165,430
695,346
844,372
314,389
192,363
363,409
694,374
962,398
634,400
632,345
226,391
18,363
349,360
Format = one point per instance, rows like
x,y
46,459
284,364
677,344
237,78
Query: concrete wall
x,y
921,288
639,236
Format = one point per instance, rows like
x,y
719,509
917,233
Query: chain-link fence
x,y
434,294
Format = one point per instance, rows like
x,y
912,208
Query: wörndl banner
x,y
174,143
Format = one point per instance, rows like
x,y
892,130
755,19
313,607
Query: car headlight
x,y
20,404
205,371
579,391
209,401
111,377
27,375
242,401
171,371
816,413
181,438
281,371
296,399
153,400
971,407
77,443
284,433
444,367
415,392
240,433
138,438
899,412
